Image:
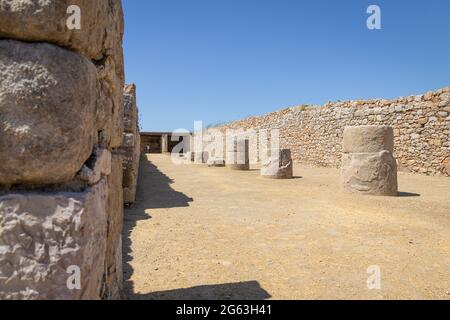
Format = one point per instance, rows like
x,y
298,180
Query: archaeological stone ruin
x,y
314,134
70,148
130,148
278,165
238,156
368,166
64,136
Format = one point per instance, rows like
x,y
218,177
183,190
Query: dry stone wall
x,y
315,133
61,126
131,144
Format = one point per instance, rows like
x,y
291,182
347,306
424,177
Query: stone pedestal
x,y
216,163
278,166
238,156
368,166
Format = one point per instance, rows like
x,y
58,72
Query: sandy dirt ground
x,y
212,233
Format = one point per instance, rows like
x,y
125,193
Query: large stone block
x,y
130,108
45,239
370,173
368,139
47,107
109,116
100,32
130,145
99,39
278,166
130,176
113,261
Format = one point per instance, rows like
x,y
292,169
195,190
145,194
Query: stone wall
x,y
314,133
131,145
61,125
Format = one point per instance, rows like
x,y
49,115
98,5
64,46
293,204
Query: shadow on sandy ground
x,y
154,191
250,290
408,194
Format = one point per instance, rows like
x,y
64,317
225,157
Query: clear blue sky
x,y
222,60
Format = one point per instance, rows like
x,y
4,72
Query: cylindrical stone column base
x,y
238,156
216,163
278,166
370,173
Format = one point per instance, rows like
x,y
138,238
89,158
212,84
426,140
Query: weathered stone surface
x,y
131,176
113,264
100,167
129,140
130,110
101,29
60,99
314,133
238,157
446,164
278,166
130,145
99,39
42,235
109,116
370,173
368,139
47,107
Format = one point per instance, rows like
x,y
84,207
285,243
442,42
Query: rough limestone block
x,y
113,286
42,235
100,167
128,125
368,139
47,108
109,116
238,156
130,145
130,109
98,39
129,140
278,166
370,173
130,176
46,21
